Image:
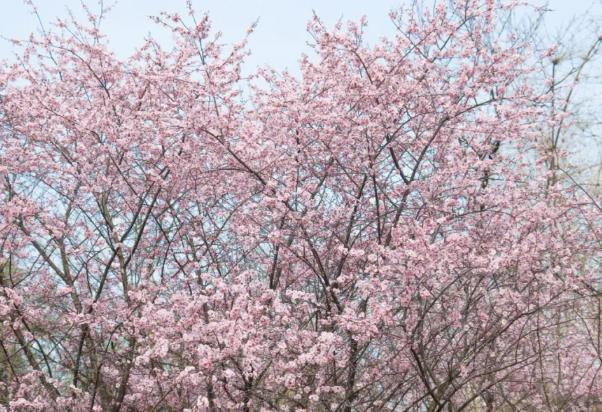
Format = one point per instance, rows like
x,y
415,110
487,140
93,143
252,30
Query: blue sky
x,y
280,36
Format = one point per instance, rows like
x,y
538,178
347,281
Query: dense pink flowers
x,y
380,233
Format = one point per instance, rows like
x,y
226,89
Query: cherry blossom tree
x,y
381,232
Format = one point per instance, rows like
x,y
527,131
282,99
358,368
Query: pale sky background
x,y
280,37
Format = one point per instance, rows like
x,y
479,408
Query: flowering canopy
x,y
378,233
